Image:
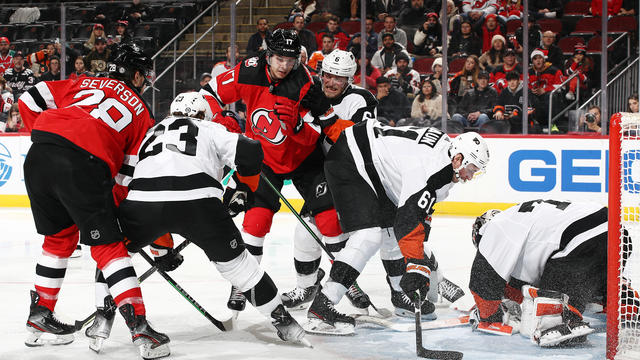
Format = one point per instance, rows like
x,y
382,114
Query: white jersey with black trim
x,y
404,158
519,241
182,159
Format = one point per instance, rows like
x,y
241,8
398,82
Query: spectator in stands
x,y
315,60
494,57
428,103
227,64
371,40
632,103
97,32
552,52
613,7
340,37
488,30
258,41
499,73
428,39
204,79
54,70
39,61
19,79
392,104
138,12
306,8
371,74
404,78
436,74
385,58
14,121
509,104
510,10
629,8
477,11
465,79
80,69
106,12
465,42
592,120
412,13
543,78
545,8
535,36
579,63
6,58
98,57
121,34
476,107
307,38
384,8
399,35
453,16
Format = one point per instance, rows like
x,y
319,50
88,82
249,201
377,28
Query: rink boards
x,y
521,168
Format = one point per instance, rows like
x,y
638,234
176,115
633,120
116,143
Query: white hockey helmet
x,y
477,230
474,150
340,63
191,104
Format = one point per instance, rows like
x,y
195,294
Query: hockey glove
x,y
236,201
166,259
287,114
315,100
416,278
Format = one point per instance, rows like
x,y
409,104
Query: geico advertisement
x,y
13,149
527,168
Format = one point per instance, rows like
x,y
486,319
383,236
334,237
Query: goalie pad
x,y
510,313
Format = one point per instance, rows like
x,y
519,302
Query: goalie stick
x,y
426,353
382,311
408,327
79,324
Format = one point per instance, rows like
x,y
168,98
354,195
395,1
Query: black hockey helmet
x,y
479,223
284,43
126,60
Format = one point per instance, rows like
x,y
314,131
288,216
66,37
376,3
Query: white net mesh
x,y
629,271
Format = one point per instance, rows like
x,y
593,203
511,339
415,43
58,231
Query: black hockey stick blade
x,y
426,353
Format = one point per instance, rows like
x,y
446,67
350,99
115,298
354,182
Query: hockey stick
x,y
408,327
381,311
227,325
79,324
426,353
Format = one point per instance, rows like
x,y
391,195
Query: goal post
x,y
623,318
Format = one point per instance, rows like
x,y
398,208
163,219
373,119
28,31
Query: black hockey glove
x,y
235,200
416,278
166,259
315,100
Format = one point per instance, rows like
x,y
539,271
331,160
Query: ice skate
x,y
298,298
404,306
358,298
287,327
100,329
324,319
151,344
237,302
449,290
45,329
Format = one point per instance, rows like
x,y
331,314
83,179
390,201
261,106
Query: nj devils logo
x,y
265,123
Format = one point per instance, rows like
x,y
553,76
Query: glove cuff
x,y
158,251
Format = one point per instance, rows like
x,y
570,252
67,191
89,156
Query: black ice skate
x,y
152,344
324,319
359,299
298,298
100,329
287,327
404,306
237,301
449,290
44,327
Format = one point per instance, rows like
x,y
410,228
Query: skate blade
x,y
319,327
306,343
410,314
95,344
303,306
39,338
149,351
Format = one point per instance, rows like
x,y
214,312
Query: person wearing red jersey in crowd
x,y
488,30
510,10
85,136
499,73
80,68
6,58
340,37
273,85
543,78
581,64
371,74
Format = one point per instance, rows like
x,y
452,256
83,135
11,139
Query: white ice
x,y
194,337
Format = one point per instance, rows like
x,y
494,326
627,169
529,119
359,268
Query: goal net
x,y
623,301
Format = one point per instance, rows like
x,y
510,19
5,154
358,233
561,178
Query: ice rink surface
x,y
194,337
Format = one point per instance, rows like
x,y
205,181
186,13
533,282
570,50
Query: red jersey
x,y
5,62
99,115
285,146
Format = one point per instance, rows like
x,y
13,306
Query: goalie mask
x,y
474,151
191,104
477,230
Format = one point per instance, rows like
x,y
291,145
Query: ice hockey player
x,y
84,132
383,177
272,85
557,250
346,103
176,188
